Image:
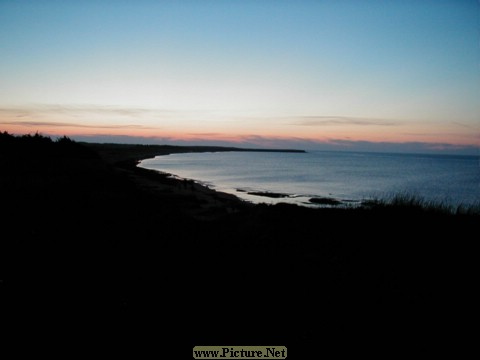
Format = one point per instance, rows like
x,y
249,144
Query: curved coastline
x,y
161,150
255,196
207,200
274,179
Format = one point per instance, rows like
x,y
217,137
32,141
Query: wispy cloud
x,y
67,124
340,120
467,126
207,134
82,110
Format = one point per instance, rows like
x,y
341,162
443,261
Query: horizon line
x,y
261,142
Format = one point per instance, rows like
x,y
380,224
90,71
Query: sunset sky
x,y
375,75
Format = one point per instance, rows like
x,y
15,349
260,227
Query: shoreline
x,y
268,197
127,158
258,193
192,197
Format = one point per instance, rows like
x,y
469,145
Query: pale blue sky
x,y
322,71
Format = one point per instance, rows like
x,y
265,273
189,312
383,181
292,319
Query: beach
x,y
140,258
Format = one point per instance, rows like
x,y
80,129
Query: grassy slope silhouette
x,y
141,259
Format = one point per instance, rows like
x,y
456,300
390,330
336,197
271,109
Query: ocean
x,y
344,177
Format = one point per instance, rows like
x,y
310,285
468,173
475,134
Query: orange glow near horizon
x,y
261,135
151,125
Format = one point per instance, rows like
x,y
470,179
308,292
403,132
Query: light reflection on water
x,y
339,175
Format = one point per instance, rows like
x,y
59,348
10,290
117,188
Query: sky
x,y
379,75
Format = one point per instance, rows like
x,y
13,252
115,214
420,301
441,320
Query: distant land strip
x,y
123,152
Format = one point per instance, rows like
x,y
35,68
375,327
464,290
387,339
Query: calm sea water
x,y
346,176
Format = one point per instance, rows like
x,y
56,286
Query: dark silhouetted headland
x,y
141,261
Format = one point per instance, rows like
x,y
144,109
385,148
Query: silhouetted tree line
x,y
39,145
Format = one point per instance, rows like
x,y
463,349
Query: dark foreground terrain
x,y
100,252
